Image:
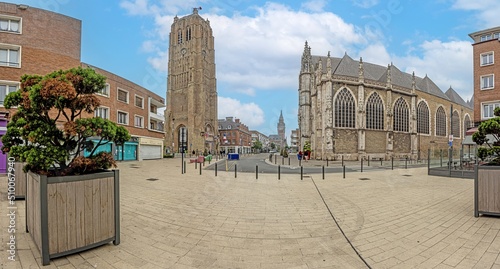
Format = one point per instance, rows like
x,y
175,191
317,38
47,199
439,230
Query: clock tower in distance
x,y
191,114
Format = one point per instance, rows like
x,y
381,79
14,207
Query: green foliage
x,y
307,146
492,150
273,146
257,144
48,131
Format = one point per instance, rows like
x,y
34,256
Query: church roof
x,y
346,66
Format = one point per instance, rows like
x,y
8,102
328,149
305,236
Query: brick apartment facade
x,y
234,136
486,53
36,41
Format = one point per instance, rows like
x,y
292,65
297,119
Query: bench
x,y
200,159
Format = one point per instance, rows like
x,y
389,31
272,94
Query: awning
x,y
471,131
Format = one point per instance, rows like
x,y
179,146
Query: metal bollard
x,y
185,167
343,170
195,165
368,160
326,162
392,163
215,169
361,165
342,160
256,172
288,160
235,171
275,159
381,164
301,173
323,171
200,169
279,172
406,162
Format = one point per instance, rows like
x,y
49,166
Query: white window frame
x,y
493,104
107,89
487,87
142,101
118,117
9,83
102,107
489,53
9,47
9,20
118,89
142,121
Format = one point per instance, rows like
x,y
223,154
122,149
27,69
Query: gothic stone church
x,y
361,110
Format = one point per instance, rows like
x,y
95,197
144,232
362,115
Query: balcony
x,y
155,110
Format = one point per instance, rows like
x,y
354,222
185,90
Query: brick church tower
x,y
191,115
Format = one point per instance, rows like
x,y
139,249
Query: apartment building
x,y
37,41
264,139
486,50
234,136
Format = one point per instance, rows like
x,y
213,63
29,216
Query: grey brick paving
x,y
396,219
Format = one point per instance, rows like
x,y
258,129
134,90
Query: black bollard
x,y
215,169
301,173
381,164
343,170
256,172
200,169
361,165
342,160
441,157
406,162
323,171
279,172
288,160
275,159
185,167
392,163
235,171
368,157
195,165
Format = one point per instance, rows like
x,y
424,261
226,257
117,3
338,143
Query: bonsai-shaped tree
x,y
489,127
307,149
50,129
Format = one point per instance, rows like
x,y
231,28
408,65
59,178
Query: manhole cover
x,y
364,178
152,179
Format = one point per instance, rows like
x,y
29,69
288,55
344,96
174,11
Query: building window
x,y
122,118
229,127
139,101
466,124
455,122
487,58
104,91
401,114
6,89
374,112
423,121
489,109
138,121
440,122
102,112
188,34
153,109
10,25
345,109
487,82
10,56
179,37
122,95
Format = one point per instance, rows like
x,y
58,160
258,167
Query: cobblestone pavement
x,y
380,218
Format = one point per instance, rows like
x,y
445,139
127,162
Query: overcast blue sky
x,y
258,44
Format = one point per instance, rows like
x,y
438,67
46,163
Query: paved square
x,y
394,219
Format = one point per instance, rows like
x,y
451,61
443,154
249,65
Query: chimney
x,y
229,118
237,120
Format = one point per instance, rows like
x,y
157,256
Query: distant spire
x,y
361,73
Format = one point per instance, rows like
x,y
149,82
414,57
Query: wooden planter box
x,y
20,180
66,215
487,190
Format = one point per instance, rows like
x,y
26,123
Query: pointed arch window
x,y
423,121
440,122
188,34
401,113
179,37
374,112
455,122
466,124
344,109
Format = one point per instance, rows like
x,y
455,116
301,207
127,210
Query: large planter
x,y
487,190
19,179
66,215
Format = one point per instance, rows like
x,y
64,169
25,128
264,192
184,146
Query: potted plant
x,y
72,201
487,175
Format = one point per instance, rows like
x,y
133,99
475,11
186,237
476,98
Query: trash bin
x,y
299,157
208,158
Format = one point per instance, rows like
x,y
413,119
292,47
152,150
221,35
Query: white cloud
x,y
487,10
376,54
136,7
250,114
314,5
446,63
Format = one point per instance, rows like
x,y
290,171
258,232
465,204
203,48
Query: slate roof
x,y
346,66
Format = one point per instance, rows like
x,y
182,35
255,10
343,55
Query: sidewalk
x,y
394,218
